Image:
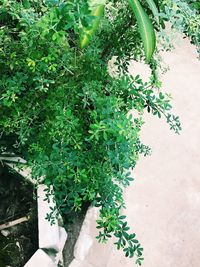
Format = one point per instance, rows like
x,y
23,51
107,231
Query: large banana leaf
x,y
154,9
146,29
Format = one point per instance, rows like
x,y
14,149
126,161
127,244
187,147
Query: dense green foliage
x,y
64,112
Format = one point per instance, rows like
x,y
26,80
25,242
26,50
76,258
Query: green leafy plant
x,y
67,115
145,26
183,17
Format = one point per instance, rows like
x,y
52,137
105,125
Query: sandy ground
x,y
163,203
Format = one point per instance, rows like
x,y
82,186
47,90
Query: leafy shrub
x,y
64,112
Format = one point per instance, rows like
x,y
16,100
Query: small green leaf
x,y
26,4
134,241
122,217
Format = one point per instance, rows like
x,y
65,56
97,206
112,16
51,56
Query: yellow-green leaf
x,y
87,34
146,29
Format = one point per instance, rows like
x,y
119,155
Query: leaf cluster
x,y
61,109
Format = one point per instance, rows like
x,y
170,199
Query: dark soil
x,y
17,200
